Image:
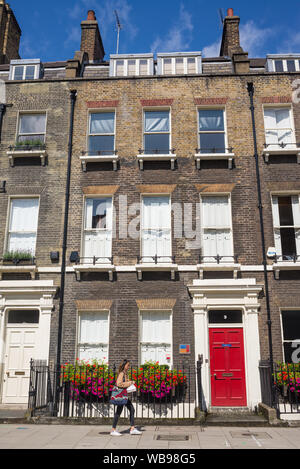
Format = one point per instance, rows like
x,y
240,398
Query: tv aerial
x,y
119,27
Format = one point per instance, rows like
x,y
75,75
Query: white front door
x,y
21,340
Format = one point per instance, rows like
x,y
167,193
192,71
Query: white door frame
x,y
30,294
227,294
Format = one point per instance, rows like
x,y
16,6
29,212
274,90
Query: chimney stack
x,y
91,42
230,46
10,34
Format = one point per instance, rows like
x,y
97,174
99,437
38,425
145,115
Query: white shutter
x,y
296,215
23,225
216,219
156,337
156,230
93,336
276,224
98,242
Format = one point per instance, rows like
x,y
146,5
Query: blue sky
x,y
51,30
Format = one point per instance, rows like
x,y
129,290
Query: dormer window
x,y
281,64
25,69
188,63
131,65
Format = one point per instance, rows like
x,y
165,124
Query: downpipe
x,y
250,87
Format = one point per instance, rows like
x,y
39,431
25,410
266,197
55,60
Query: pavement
x,y
188,438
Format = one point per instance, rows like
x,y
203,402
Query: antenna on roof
x,y
222,16
119,27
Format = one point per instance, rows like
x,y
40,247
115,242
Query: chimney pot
x,y
230,12
91,16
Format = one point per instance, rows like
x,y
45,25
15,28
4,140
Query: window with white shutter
x,y
286,220
156,229
156,337
279,128
98,229
216,228
23,225
93,336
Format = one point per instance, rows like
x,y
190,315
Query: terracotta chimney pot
x,y
230,12
91,16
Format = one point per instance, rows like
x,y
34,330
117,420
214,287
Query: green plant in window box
x,y
287,379
32,144
17,257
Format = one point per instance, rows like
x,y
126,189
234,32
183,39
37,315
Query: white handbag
x,y
131,388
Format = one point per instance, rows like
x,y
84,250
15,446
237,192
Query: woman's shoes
x,y
115,433
135,432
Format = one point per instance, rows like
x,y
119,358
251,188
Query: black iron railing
x,y
156,259
157,151
84,391
99,152
282,390
218,259
282,145
92,260
222,150
287,258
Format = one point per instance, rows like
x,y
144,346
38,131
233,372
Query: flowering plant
x,y
96,379
158,380
86,378
288,374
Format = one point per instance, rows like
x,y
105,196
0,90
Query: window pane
x,y
225,317
179,67
101,145
167,66
131,67
23,317
143,67
32,123
288,243
99,213
157,121
291,66
102,123
191,65
211,119
285,211
30,71
157,143
278,65
212,143
120,68
291,325
19,71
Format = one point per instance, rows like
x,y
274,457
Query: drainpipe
x,y
2,112
73,94
250,87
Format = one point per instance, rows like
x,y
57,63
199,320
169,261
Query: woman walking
x,y
120,398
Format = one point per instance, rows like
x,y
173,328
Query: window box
x,y
18,263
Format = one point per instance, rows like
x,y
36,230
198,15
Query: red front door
x,y
227,365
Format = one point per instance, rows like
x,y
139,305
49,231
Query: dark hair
x,y
123,364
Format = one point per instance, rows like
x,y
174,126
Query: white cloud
x,y
74,36
253,38
178,37
213,50
290,45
